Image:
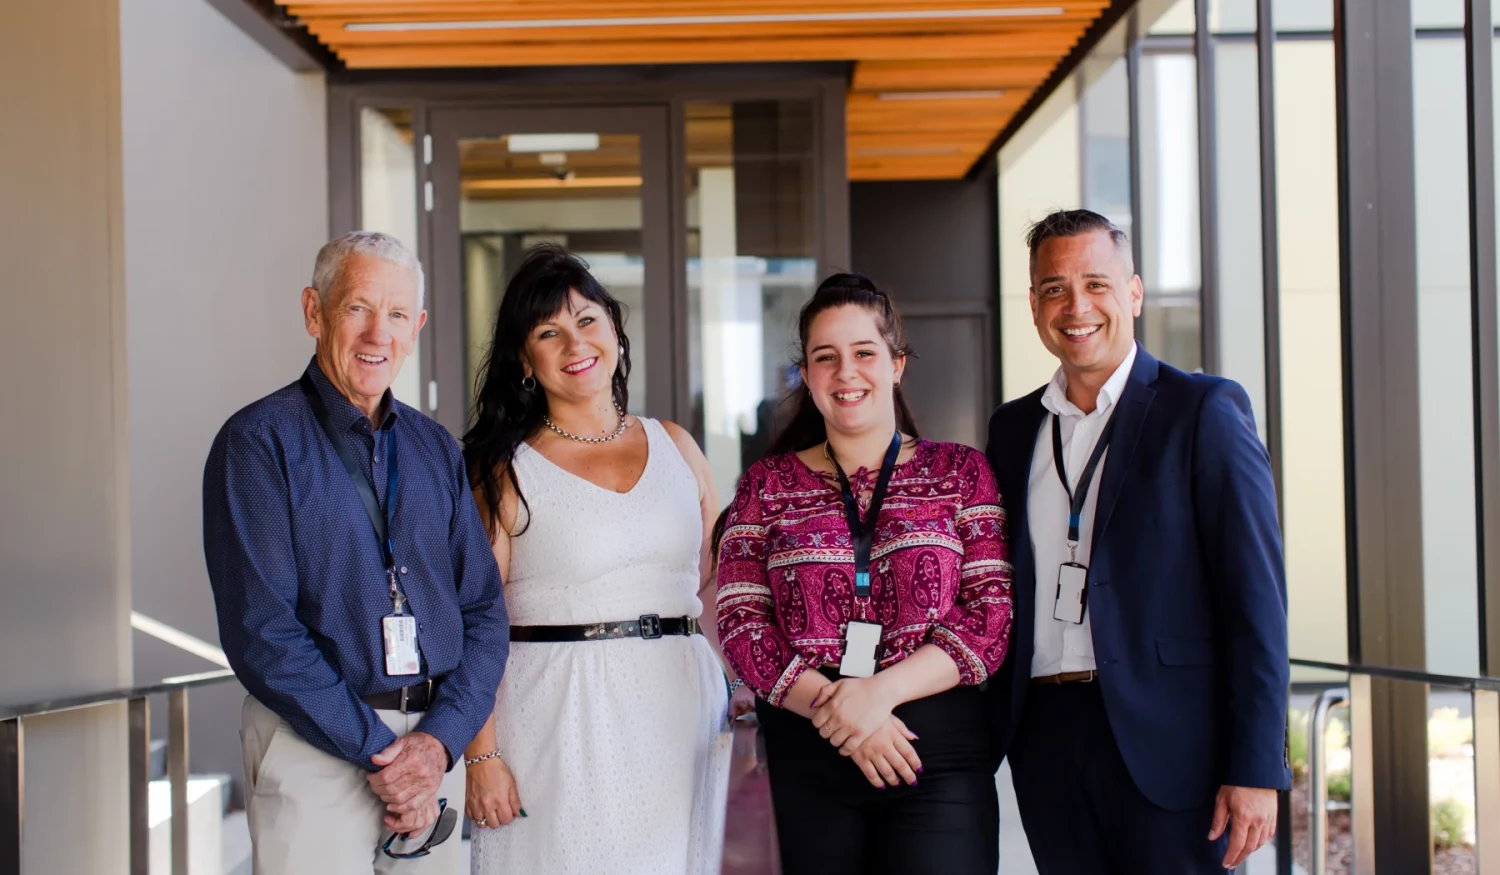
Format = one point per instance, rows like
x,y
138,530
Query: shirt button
x,y
403,569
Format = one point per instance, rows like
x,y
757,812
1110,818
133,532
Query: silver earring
x,y
528,384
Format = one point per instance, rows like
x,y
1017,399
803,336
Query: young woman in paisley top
x,y
892,772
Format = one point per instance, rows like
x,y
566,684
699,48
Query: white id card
x,y
400,633
1072,592
860,644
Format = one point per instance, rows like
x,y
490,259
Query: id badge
x,y
860,644
1072,593
400,634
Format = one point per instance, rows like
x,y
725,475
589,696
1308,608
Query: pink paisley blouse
x,y
938,568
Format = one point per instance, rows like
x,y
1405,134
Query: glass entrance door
x,y
594,180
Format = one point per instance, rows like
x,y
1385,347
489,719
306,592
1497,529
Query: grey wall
x,y
931,244
225,186
63,528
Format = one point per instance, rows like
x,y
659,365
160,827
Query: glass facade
x,y
1242,229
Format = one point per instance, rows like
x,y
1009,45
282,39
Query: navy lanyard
x,y
862,533
381,520
1077,497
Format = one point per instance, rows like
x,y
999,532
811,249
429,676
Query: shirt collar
x,y
1055,399
341,410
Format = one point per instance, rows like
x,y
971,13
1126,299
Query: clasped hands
x,y
411,770
854,715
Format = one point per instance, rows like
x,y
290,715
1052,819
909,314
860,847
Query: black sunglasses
x,y
440,833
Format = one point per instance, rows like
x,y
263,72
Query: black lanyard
x,y
1077,497
380,520
863,533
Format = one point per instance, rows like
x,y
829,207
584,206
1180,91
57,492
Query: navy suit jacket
x,y
1187,589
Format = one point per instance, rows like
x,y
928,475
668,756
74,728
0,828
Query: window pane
x,y
1170,264
1039,172
587,199
1312,387
1437,13
1332,760
751,267
1241,328
1445,363
1232,16
1302,15
388,203
1450,779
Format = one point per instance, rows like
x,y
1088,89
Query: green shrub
x,y
1340,786
1448,816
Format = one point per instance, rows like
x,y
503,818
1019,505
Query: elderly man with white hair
x,y
358,598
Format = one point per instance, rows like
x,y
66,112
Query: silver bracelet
x,y
734,686
494,754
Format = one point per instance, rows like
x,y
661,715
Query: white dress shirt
x,y
1063,646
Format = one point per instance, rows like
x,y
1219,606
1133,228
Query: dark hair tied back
x,y
806,427
508,409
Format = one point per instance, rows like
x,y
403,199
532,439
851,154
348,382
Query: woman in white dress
x,y
609,747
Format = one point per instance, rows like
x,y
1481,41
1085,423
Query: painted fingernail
x,y
882,786
523,813
919,770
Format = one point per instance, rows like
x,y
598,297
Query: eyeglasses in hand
x,y
441,830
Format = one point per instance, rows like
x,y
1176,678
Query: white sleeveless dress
x,y
620,748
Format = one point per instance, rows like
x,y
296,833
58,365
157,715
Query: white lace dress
x,y
620,748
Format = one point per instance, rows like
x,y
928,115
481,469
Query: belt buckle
x,y
406,691
649,626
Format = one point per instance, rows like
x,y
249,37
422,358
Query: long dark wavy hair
x,y
807,428
506,413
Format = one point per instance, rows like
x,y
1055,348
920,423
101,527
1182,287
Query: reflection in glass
x,y
1312,384
1445,364
1170,233
751,266
1242,338
1105,123
580,192
388,203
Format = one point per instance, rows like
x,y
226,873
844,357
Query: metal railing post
x,y
140,786
12,793
177,773
1317,769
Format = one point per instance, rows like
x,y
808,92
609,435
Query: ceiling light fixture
x,y
682,20
543,182
552,142
941,95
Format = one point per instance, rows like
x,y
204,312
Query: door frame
x,y
447,315
671,87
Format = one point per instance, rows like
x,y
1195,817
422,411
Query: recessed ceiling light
x,y
552,142
553,158
546,182
682,20
941,95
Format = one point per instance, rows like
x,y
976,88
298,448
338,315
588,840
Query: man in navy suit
x,y
1143,704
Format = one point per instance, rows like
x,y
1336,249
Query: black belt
x,y
408,700
648,626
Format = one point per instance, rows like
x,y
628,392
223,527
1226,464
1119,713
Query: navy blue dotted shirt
x,y
300,584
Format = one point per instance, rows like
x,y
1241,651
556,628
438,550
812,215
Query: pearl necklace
x,y
588,440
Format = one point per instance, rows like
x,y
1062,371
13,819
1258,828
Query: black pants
x,y
831,821
1082,811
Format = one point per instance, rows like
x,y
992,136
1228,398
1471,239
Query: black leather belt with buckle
x,y
408,700
648,626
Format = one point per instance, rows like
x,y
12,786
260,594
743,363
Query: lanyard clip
x,y
397,600
1072,551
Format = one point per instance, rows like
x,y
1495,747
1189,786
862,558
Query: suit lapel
x,y
1020,445
1134,402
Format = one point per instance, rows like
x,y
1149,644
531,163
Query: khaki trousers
x,y
315,814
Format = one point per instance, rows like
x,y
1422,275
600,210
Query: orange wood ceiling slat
x,y
886,138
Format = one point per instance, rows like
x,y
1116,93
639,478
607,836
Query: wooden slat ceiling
x,y
934,80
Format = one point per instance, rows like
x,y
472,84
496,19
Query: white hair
x,y
329,269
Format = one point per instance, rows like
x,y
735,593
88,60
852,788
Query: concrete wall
x,y
225,186
64,534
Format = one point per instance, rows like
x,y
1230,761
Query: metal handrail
x,y
1458,682
1317,767
13,773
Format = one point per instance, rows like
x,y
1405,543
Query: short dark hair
x,y
1071,223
